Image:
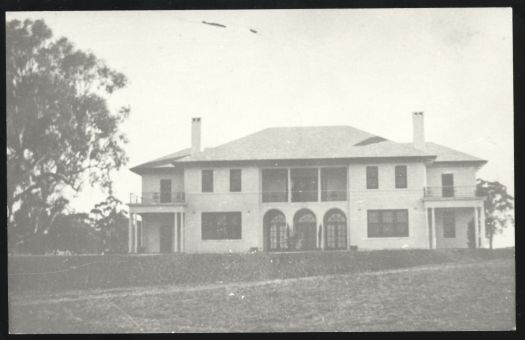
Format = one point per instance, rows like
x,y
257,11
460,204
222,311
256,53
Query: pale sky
x,y
367,68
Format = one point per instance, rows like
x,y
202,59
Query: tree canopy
x,y
60,130
499,207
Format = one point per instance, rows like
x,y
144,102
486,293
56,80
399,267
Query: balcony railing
x,y
148,198
304,196
450,191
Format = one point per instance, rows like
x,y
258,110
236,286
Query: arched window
x,y
305,230
335,230
275,233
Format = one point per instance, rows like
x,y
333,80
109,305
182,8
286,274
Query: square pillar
x,y
136,238
130,233
434,241
482,227
476,227
174,240
428,226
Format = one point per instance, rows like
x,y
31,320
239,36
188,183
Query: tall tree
x,y
60,131
499,207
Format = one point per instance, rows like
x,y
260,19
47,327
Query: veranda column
x,y
434,241
183,226
476,227
427,225
482,227
136,228
175,240
130,233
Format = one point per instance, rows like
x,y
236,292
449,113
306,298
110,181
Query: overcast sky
x,y
366,68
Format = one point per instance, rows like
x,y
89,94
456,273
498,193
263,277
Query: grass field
x,y
476,295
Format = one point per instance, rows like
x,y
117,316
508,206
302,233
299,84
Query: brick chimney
x,y
195,135
418,122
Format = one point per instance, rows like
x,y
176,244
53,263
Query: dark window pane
x,y
275,185
304,184
401,176
333,184
372,177
373,216
235,180
207,180
221,226
388,223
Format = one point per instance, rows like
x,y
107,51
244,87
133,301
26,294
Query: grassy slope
x,y
58,273
455,296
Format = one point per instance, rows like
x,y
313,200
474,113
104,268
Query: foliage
x,y
499,207
111,219
74,233
60,131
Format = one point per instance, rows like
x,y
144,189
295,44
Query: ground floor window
x,y
221,225
388,223
449,224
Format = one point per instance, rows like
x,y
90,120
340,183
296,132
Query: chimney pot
x,y
418,127
195,135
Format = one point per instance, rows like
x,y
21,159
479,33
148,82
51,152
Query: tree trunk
x,y
490,241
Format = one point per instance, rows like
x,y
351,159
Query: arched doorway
x,y
275,234
304,226
335,230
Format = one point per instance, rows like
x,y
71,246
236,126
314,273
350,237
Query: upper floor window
x,y
207,180
401,176
275,185
388,223
221,225
333,184
235,180
304,184
449,224
372,177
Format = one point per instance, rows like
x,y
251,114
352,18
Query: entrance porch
x,y
456,223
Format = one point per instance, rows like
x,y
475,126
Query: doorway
x,y
166,238
447,185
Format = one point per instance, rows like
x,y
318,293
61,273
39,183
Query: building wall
x,y
360,199
222,200
151,181
462,218
464,175
387,197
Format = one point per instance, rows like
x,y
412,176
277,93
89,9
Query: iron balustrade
x,y
157,198
450,191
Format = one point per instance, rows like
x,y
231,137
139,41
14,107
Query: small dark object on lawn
x,y
253,250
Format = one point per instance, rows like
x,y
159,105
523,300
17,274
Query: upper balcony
x,y
450,192
157,198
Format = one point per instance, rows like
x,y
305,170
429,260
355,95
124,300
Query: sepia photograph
x,y
285,170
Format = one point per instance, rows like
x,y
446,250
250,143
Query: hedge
x,y
52,273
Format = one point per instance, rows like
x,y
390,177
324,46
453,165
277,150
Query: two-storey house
x,y
308,188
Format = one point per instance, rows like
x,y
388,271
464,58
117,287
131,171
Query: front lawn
x,y
475,295
58,273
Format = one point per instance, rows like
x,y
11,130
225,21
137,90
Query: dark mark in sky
x,y
213,24
253,31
